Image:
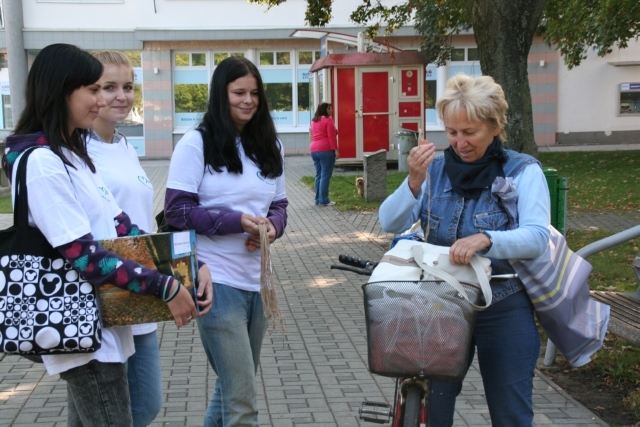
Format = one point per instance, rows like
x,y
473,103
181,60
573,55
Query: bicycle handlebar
x,y
364,267
356,262
360,271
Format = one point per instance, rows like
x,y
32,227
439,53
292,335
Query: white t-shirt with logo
x,y
64,210
132,190
226,256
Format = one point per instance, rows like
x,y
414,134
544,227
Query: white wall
x,y
175,14
40,15
588,97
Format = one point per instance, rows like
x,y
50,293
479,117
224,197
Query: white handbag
x,y
410,260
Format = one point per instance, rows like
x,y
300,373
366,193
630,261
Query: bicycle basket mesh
x,y
419,327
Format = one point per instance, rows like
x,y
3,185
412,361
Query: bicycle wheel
x,y
411,416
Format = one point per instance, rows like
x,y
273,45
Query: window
x,y
218,57
457,55
191,77
277,76
629,99
190,59
6,114
308,57
305,88
132,125
431,87
465,60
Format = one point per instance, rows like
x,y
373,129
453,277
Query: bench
x,y
624,319
625,309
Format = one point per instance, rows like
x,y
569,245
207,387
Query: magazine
x,y
173,254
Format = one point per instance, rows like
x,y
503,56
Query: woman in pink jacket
x,y
324,151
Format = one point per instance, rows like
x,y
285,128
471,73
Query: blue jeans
x,y
231,333
324,162
145,379
508,346
98,395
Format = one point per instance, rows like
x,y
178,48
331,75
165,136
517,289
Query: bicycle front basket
x,y
419,328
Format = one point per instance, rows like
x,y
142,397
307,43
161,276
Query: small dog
x,y
360,185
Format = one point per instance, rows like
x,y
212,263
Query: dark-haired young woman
x,y
227,177
70,204
324,151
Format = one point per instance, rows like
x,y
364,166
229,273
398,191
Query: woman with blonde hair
x,y
117,162
465,211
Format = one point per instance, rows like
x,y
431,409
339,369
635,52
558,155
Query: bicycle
x,y
410,405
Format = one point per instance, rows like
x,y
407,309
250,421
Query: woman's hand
x,y
337,154
253,241
181,306
463,249
205,290
418,162
250,223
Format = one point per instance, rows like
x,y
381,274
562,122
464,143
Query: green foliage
x,y
435,20
575,25
597,181
191,98
318,12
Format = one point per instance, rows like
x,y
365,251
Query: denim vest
x,y
454,217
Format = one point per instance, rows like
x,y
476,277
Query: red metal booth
x,y
373,95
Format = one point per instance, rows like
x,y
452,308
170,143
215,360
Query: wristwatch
x,y
490,239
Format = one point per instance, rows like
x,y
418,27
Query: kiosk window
x,y
629,99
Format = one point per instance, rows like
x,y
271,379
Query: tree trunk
x,y
504,31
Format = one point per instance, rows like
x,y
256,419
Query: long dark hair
x,y
259,137
57,71
321,111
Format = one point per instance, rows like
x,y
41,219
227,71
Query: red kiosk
x,y
373,95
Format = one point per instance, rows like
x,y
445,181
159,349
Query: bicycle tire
x,y
411,417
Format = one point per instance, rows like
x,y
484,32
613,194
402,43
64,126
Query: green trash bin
x,y
558,188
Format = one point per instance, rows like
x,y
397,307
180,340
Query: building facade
x,y
175,46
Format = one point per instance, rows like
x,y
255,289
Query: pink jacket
x,y
323,135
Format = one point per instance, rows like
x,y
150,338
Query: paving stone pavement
x,y
315,373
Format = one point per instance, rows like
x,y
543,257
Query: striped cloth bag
x,y
557,286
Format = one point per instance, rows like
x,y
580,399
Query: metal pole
x,y
17,56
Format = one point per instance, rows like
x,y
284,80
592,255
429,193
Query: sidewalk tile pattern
x,y
315,372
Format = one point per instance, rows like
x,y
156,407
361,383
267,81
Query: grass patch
x,y
598,181
611,268
5,204
342,190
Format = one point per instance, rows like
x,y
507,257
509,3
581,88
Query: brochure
x,y
173,254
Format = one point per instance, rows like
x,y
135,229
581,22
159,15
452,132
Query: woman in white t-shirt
x,y
226,178
117,162
70,204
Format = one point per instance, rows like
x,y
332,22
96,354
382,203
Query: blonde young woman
x,y
117,162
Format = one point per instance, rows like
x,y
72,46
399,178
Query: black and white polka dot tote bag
x,y
46,307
